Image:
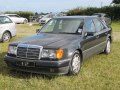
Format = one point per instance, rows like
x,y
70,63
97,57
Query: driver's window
x,y
89,26
17,16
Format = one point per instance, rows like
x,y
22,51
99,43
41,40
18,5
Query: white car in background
x,y
17,19
7,28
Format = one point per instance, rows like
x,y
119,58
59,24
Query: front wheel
x,y
75,64
108,47
6,37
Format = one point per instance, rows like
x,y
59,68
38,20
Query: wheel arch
x,y
8,32
81,54
109,37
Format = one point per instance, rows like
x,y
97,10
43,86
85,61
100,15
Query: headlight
x,y
52,53
49,53
12,50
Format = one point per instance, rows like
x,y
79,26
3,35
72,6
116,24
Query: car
x,y
45,19
104,17
60,46
48,17
7,28
17,19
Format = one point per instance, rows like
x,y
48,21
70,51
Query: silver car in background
x,y
45,19
7,28
49,16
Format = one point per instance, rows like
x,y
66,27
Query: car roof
x,y
2,15
79,17
99,14
10,14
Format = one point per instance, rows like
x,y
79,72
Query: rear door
x,y
101,32
95,43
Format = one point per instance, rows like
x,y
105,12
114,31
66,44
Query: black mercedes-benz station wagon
x,y
60,46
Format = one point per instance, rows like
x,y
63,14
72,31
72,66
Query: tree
x,y
116,1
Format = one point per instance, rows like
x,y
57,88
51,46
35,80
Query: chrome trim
x,y
30,46
94,46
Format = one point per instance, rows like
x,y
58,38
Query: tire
x,y
6,37
25,21
75,65
108,47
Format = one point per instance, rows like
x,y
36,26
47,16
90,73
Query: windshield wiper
x,y
66,33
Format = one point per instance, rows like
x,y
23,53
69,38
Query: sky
x,y
49,5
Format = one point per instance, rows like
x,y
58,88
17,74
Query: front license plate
x,y
24,63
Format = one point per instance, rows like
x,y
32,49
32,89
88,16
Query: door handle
x,y
97,36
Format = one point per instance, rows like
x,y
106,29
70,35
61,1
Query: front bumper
x,y
38,66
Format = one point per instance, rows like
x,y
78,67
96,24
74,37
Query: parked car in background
x,y
48,17
17,19
7,28
104,17
60,46
45,19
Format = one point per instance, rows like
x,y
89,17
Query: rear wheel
x,y
108,47
75,64
6,37
25,21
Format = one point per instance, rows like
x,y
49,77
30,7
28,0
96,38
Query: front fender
x,y
72,49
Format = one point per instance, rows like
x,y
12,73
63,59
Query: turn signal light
x,y
59,54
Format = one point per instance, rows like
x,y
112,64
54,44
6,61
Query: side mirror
x,y
80,31
37,30
84,34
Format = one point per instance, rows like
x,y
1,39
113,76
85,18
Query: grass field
x,y
100,72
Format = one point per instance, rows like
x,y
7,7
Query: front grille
x,y
29,51
21,52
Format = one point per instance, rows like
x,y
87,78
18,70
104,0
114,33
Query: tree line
x,y
112,11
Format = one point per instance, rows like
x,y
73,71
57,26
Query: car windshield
x,y
64,25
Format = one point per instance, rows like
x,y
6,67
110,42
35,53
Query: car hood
x,y
48,40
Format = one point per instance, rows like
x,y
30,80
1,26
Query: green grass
x,y
100,72
116,26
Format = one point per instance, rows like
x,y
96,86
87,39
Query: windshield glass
x,y
63,26
4,19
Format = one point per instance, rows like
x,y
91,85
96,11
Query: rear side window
x,y
89,25
4,20
98,25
